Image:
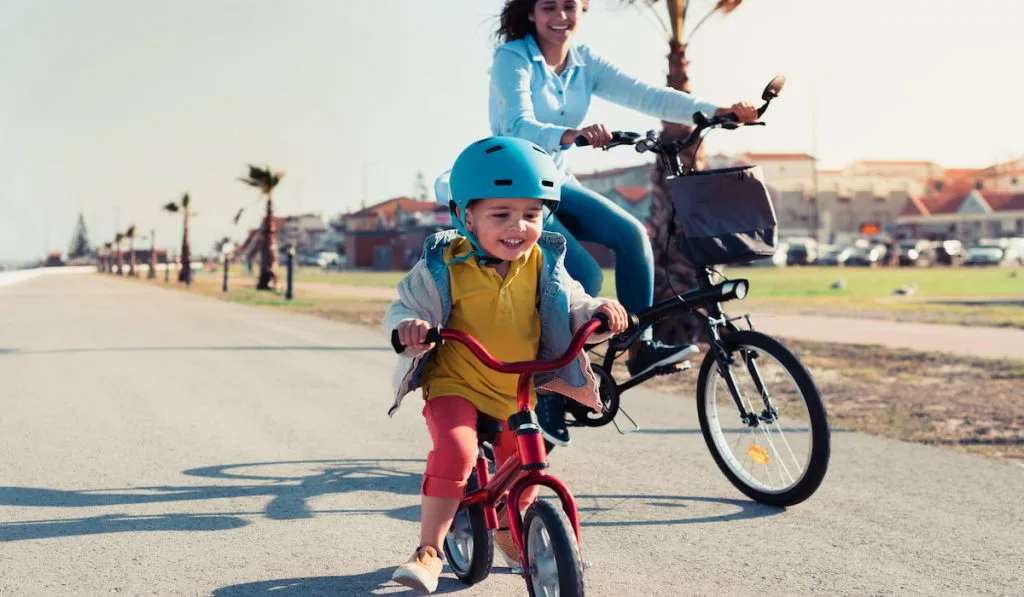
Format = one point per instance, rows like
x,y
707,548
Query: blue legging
x,y
584,215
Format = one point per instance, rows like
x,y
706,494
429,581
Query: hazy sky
x,y
114,107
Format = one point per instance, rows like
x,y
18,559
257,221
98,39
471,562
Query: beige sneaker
x,y
421,572
503,540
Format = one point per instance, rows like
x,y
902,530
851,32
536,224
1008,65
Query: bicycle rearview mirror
x,y
774,87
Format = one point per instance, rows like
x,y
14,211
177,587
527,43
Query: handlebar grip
x,y
605,322
581,141
433,337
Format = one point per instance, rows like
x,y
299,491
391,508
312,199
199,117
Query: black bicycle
x,y
759,409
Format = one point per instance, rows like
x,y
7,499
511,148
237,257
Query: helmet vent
x,y
503,182
547,183
538,149
495,148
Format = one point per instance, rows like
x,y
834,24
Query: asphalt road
x,y
158,443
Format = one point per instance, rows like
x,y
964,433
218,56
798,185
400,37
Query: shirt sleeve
x,y
510,87
665,103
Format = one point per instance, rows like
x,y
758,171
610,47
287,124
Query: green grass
x,y
788,282
867,291
878,282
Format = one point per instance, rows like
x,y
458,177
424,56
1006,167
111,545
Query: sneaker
x,y
503,540
551,417
653,354
421,572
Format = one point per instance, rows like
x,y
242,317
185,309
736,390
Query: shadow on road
x,y
18,351
369,583
289,486
116,523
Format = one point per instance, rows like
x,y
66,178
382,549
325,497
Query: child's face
x,y
506,228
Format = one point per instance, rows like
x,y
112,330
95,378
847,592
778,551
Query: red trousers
x,y
451,421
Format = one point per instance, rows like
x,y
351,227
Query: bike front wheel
x,y
552,554
776,448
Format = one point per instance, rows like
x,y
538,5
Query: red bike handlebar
x,y
598,324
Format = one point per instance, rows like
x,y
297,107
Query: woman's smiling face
x,y
556,20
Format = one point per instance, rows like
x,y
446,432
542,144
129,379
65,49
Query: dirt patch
x,y
968,404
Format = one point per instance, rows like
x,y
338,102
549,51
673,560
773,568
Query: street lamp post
x,y
289,294
226,249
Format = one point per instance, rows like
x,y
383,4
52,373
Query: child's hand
x,y
618,318
412,333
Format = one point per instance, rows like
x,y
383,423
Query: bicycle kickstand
x,y
626,414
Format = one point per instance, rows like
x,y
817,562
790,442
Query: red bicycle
x,y
548,538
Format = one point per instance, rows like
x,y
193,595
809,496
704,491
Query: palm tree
x,y
265,180
130,235
185,273
672,269
117,243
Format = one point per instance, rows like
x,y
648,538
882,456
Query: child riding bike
x,y
500,278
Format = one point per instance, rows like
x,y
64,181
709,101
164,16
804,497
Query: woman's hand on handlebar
x,y
597,135
618,318
743,111
412,334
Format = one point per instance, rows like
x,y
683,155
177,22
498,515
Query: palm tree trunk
x,y
120,261
185,273
131,258
268,251
672,271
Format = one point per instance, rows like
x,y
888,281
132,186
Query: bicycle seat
x,y
487,428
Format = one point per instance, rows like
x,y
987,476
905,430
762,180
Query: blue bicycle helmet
x,y
501,168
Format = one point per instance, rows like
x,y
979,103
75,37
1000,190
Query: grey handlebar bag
x,y
726,216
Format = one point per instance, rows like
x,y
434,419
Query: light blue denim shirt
x,y
528,100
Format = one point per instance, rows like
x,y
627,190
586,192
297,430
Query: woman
x,y
541,86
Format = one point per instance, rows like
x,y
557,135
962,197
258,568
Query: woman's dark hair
x,y
515,20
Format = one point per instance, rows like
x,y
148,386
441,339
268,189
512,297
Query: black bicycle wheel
x,y
552,552
469,545
781,456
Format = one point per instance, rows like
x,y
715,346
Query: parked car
x,y
802,251
776,260
949,252
870,256
835,256
1000,251
919,252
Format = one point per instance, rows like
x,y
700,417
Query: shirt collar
x,y
573,60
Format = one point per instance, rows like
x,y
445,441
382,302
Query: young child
x,y
501,279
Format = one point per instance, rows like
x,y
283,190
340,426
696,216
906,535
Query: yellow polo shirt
x,y
503,315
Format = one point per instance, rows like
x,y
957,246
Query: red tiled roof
x,y
914,207
631,193
951,174
1004,200
388,208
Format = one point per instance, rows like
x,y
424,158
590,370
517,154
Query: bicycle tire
x,y
561,548
820,436
474,566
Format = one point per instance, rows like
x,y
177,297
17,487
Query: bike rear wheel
x,y
779,453
469,545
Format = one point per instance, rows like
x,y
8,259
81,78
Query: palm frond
x,y
185,201
130,233
171,207
238,216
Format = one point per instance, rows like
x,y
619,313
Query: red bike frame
x,y
525,468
